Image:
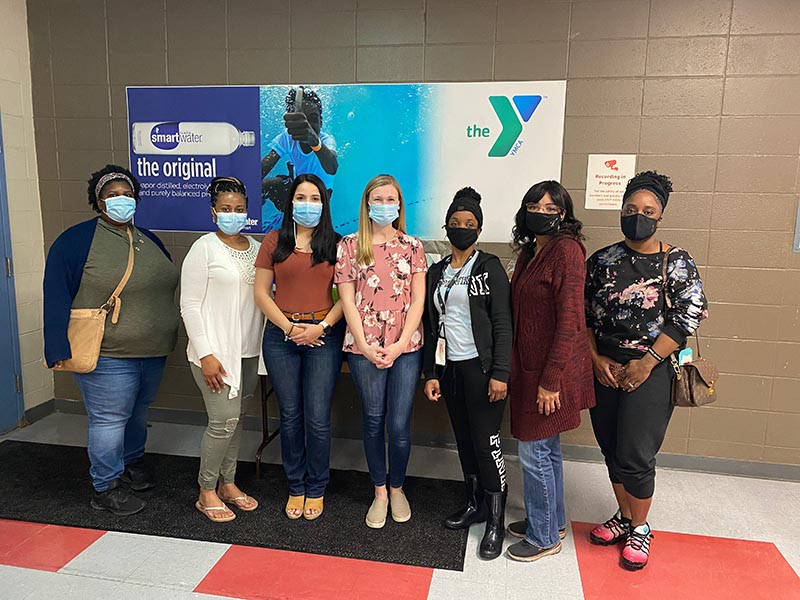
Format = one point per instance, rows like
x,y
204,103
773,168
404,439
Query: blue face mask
x,y
120,208
384,214
231,223
307,214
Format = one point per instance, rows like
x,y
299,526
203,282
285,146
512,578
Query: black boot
x,y
492,543
138,477
117,500
474,511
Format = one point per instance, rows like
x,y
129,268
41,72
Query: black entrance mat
x,y
48,483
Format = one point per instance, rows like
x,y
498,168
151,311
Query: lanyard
x,y
443,301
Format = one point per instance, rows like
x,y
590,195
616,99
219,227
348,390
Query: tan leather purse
x,y
694,381
87,325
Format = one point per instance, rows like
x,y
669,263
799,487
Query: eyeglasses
x,y
550,209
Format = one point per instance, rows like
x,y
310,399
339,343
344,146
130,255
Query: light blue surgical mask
x,y
384,214
120,208
231,223
307,214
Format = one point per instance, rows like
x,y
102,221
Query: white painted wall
x,y
23,191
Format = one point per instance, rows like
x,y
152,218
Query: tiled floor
x,y
744,542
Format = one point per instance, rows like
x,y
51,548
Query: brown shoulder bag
x,y
87,325
694,381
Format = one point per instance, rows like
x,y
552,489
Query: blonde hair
x,y
364,254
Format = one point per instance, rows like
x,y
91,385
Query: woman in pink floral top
x,y
380,274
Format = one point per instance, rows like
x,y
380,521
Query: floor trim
x,y
705,464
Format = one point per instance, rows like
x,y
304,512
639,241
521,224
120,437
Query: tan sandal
x,y
313,504
208,512
295,503
244,500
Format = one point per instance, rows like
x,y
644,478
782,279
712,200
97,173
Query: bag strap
x,y
667,303
115,302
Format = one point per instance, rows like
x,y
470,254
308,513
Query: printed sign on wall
x,y
499,138
606,178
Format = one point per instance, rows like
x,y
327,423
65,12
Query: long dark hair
x,y
524,239
324,238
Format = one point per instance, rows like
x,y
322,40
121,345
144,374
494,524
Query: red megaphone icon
x,y
612,164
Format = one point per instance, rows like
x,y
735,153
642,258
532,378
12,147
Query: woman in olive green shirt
x,y
84,266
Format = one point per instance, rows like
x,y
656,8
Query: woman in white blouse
x,y
224,327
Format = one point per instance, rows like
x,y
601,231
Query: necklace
x,y
300,248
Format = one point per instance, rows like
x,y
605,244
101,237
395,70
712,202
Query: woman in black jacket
x,y
467,358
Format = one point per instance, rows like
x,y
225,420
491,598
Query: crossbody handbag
x,y
87,325
694,381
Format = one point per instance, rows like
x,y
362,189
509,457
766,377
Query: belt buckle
x,y
296,316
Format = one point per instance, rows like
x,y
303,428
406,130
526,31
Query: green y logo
x,y
512,126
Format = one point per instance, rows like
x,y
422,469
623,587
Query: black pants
x,y
630,428
476,422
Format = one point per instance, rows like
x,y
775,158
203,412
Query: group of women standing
x,y
562,336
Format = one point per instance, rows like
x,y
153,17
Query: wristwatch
x,y
325,328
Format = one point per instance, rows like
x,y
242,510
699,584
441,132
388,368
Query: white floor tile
x,y
132,591
446,588
114,556
74,587
18,583
180,564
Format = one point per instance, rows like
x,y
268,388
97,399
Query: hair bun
x,y
468,192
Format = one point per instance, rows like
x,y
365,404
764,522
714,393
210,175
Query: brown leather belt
x,y
317,315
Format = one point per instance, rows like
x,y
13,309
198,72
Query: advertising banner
x,y
498,137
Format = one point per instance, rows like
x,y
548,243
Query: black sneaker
x,y
117,500
526,552
138,477
519,529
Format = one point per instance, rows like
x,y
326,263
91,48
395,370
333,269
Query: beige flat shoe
x,y
401,509
214,512
376,515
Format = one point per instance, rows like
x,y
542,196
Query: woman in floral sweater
x,y
380,274
633,333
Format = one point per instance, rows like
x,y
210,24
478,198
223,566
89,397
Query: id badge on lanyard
x,y
441,342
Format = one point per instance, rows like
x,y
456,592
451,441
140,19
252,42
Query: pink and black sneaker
x,y
637,549
611,532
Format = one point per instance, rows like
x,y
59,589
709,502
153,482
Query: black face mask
x,y
542,223
461,237
638,227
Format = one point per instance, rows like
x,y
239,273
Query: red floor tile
x,y
261,574
50,548
14,533
686,567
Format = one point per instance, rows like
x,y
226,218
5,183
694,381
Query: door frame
x,y
7,271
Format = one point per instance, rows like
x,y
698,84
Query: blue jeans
x,y
304,378
387,399
543,482
117,394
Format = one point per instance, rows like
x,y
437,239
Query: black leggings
x,y
476,422
630,428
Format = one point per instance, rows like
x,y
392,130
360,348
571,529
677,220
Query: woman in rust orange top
x,y
303,338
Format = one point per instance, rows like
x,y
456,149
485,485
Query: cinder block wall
x,y
703,90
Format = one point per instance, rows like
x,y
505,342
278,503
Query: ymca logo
x,y
508,141
512,126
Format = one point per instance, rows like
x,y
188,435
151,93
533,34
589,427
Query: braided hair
x,y
225,185
309,97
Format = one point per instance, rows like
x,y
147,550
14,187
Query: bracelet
x,y
317,148
655,355
288,333
326,327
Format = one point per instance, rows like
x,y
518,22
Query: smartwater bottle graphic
x,y
217,139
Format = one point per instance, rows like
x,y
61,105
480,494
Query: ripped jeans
x,y
219,449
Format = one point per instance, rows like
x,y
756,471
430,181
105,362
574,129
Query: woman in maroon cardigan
x,y
551,364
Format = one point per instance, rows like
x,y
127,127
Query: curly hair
x,y
524,241
656,183
97,176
